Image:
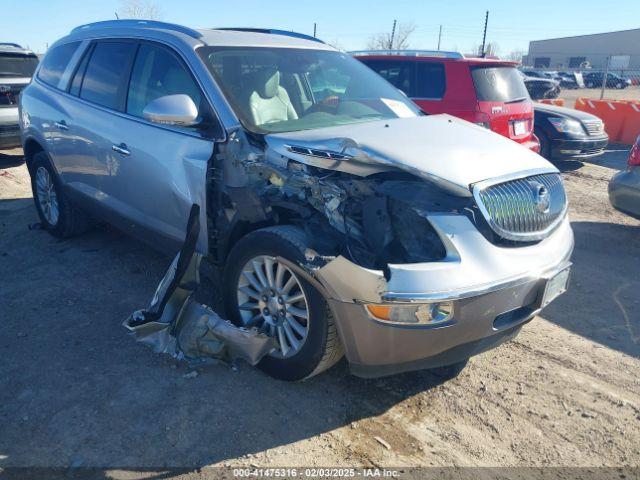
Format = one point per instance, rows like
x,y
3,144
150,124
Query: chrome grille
x,y
524,209
594,127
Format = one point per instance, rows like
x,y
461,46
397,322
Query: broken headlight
x,y
419,314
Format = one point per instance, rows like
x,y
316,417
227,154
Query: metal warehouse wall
x,y
595,48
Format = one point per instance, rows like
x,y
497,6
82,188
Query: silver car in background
x,y
346,221
16,68
624,187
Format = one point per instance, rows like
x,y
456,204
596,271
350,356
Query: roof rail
x,y
139,23
273,31
409,53
9,44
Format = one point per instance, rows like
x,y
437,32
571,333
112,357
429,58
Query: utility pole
x,y
314,29
605,78
439,37
484,35
393,34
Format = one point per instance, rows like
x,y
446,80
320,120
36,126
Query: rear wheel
x,y
262,291
57,214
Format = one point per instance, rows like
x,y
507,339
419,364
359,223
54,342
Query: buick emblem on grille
x,y
541,197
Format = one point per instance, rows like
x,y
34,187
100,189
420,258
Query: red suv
x,y
484,91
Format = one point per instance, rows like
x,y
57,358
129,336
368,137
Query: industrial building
x,y
621,49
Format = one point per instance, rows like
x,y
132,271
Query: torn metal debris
x,y
176,324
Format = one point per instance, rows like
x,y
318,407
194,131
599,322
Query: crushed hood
x,y
452,152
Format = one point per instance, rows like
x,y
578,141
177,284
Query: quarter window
x,y
107,70
55,63
430,80
157,73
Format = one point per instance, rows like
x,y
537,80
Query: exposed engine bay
x,y
371,220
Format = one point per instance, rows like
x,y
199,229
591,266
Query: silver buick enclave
x,y
345,219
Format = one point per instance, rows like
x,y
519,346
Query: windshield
x,y
499,84
17,65
285,89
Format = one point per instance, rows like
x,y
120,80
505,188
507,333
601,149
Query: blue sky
x,y
350,23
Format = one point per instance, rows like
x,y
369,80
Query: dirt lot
x,y
630,93
75,391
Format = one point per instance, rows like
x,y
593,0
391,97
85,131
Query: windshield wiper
x,y
516,100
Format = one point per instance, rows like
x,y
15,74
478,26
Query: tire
x,y
56,212
320,348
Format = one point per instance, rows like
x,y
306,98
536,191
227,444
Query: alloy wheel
x,y
271,298
47,196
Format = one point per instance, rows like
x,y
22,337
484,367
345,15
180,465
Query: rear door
x,y
95,94
504,99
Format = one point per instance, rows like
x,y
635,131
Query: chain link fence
x,y
611,81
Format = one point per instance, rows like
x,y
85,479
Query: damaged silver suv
x,y
345,220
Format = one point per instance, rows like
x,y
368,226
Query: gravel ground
x,y
75,391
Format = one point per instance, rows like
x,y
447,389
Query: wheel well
x,y
240,228
31,147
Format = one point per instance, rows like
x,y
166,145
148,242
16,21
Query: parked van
x,y
16,68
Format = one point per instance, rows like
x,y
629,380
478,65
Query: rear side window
x,y
398,73
498,84
430,80
55,63
107,71
157,73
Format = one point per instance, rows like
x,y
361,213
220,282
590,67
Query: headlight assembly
x,y
567,125
413,314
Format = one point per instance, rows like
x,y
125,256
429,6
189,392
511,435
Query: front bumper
x,y
582,148
494,291
9,127
9,136
624,191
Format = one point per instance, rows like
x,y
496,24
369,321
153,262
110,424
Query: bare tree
x,y
491,49
516,55
335,43
383,41
142,9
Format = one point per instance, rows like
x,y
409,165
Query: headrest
x,y
268,82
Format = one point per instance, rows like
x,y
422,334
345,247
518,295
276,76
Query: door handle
x,y
61,125
121,149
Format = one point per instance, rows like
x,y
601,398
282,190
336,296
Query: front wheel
x,y
263,291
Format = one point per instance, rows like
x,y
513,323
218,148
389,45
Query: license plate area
x,y
555,286
519,127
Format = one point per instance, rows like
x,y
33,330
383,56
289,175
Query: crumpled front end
x,y
420,272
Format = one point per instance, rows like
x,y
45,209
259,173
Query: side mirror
x,y
172,110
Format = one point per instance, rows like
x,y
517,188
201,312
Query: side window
x,y
158,72
431,81
398,73
76,82
105,78
55,63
